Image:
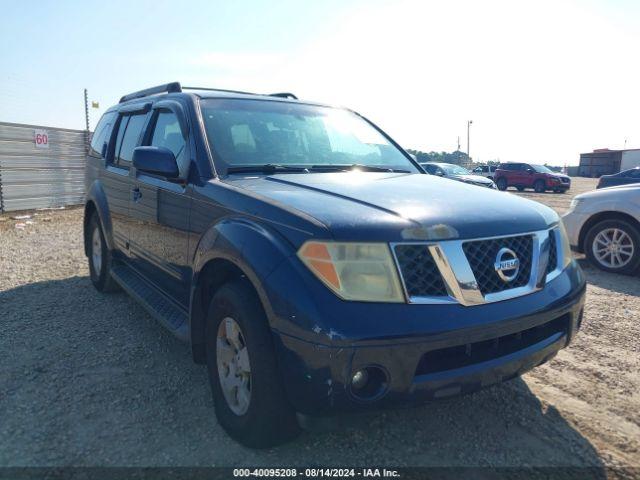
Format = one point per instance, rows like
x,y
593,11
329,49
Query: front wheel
x,y
501,184
248,394
614,246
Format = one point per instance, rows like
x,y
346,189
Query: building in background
x,y
605,162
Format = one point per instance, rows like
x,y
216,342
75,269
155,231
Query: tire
x,y
268,419
520,188
99,262
501,184
630,242
539,186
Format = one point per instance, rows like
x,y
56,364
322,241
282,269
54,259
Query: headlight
x,y
354,271
567,255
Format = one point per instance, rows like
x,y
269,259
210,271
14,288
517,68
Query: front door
x,y
159,211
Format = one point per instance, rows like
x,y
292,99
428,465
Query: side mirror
x,y
156,160
440,173
529,171
103,151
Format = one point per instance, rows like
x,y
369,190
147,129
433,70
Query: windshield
x,y
451,169
244,133
541,169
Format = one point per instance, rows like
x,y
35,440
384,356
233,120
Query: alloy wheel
x,y
613,248
234,370
96,251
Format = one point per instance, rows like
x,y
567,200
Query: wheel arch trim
x,y
247,247
96,201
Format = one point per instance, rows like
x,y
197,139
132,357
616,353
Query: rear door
x,y
160,208
115,178
520,175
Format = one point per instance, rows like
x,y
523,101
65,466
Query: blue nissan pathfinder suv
x,y
310,262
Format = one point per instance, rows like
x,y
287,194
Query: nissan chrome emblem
x,y
507,264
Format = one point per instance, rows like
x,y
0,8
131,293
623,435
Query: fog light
x,y
359,379
369,383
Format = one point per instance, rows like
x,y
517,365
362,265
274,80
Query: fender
x,y
252,248
96,194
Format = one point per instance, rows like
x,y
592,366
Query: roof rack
x,y
209,89
166,88
175,87
284,95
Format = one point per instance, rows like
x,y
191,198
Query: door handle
x,y
137,194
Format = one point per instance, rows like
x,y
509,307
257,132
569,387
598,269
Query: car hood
x,y
630,189
473,178
395,206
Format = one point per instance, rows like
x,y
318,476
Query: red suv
x,y
527,175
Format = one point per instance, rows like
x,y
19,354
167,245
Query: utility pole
x,y
86,109
469,122
87,138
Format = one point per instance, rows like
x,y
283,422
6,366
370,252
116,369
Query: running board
x,y
172,317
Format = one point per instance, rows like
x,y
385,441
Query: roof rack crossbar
x,y
284,95
166,88
209,89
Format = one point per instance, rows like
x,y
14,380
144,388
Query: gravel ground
x,y
88,379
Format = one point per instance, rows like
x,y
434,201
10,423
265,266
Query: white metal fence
x,y
40,166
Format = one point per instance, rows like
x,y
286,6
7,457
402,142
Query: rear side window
x,y
102,133
127,139
512,166
167,133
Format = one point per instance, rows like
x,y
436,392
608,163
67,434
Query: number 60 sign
x,y
41,137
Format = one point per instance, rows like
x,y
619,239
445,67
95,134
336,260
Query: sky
x,y
541,80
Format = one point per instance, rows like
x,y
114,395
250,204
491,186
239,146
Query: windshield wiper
x,y
267,168
355,166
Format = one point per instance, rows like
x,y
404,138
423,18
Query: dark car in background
x,y
456,172
622,178
311,264
529,175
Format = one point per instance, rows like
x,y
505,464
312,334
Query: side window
x,y
167,133
129,140
101,134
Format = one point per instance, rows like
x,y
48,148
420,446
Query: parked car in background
x,y
485,171
456,172
605,225
622,178
529,175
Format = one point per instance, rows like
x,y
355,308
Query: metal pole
x,y
86,109
469,122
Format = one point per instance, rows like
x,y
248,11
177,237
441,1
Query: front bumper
x,y
573,222
459,349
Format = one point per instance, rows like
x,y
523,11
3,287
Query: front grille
x,y
553,252
472,353
419,272
482,254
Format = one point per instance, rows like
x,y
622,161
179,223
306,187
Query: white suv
x,y
605,225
